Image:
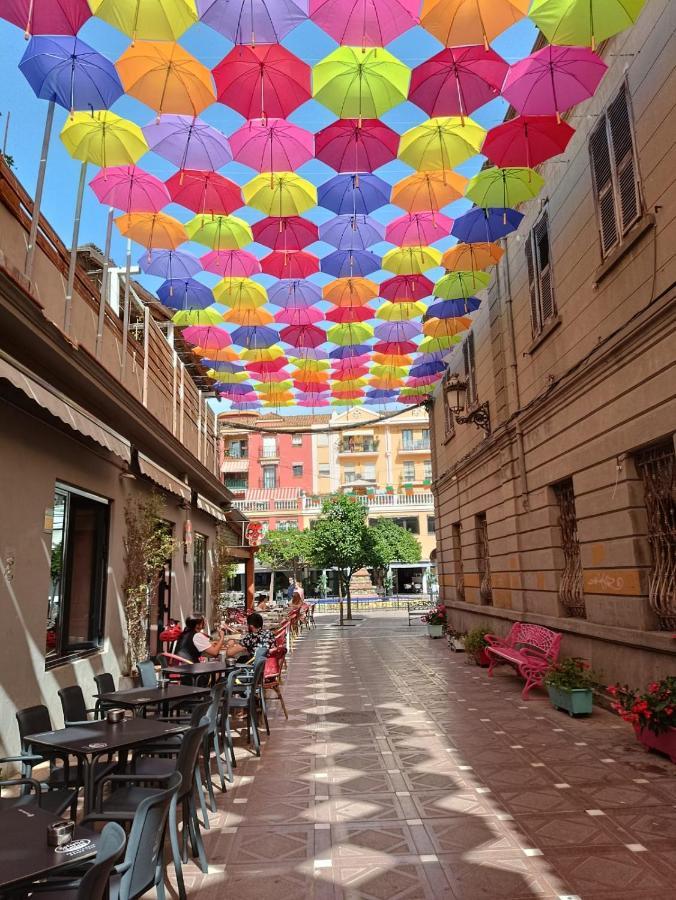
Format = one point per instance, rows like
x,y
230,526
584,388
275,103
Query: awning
x,y
273,494
165,479
211,509
363,432
63,409
234,465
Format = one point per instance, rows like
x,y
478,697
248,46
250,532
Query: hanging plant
x,y
222,573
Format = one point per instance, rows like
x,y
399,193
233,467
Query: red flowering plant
x,y
436,616
654,709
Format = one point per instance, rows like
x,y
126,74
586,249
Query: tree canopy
x,y
388,542
286,550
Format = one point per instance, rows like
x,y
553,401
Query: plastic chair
x,y
244,691
105,684
75,710
56,799
147,673
272,675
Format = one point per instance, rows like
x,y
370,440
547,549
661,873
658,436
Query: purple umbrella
x,y
354,194
308,353
486,225
253,21
350,263
246,406
239,390
170,264
396,331
254,337
188,142
351,232
349,352
185,293
451,309
294,294
218,366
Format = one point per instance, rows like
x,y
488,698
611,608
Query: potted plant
x,y
475,645
652,713
435,619
570,686
456,640
389,489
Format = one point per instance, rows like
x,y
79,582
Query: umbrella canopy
x,y
295,294
350,334
291,264
365,23
217,354
446,327
586,22
452,309
185,293
208,316
130,189
411,260
349,351
280,194
254,337
459,22
359,83
188,143
46,16
204,192
348,263
461,284
437,345
404,288
396,331
441,143
351,232
486,225
299,315
393,359
457,81
272,145
428,368
166,78
290,233
241,293
303,335
262,80
380,395
266,366
259,354
152,230
468,257
231,263
207,337
394,348
415,229
219,232
240,315
102,138
346,292
151,20
553,79
170,264
350,146
504,187
253,21
527,140
354,194
306,364
69,72
399,312
350,314
426,191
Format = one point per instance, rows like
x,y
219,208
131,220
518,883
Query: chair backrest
x,y
94,884
32,720
105,683
147,674
146,841
186,761
543,639
214,706
73,704
200,710
273,664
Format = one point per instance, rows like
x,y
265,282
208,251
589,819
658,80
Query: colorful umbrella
x,y
217,354
306,364
347,292
398,312
46,16
351,232
527,140
166,78
350,146
272,145
394,348
207,316
415,229
349,334
504,187
256,337
365,23
299,315
280,194
240,293
152,230
240,315
448,328
261,81
586,22
205,192
266,366
411,260
459,22
350,263
404,288
170,264
303,335
219,232
461,284
485,225
231,263
185,293
349,351
393,359
130,189
259,354
426,191
206,337
457,81
354,194
229,377
437,345
291,233
152,20
102,138
398,332
293,264
359,83
441,143
297,294
466,257
188,143
350,314
452,309
379,395
253,21
428,368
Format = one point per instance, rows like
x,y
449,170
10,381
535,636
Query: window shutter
x,y
603,185
547,307
534,311
623,155
470,368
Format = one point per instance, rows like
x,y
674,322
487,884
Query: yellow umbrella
x,y
351,384
242,293
446,327
156,231
166,78
360,83
243,316
400,312
103,138
459,22
262,354
431,344
441,143
152,20
219,232
424,191
228,377
273,387
461,285
208,316
471,257
382,371
411,260
280,194
309,365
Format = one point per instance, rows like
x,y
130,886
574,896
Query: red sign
x,y
254,534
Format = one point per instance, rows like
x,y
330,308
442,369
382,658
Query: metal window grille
x,y
456,539
483,560
657,468
571,592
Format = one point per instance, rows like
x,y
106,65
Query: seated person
x,y
256,636
296,600
193,643
262,604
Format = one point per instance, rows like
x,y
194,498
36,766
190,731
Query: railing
x,y
286,504
235,454
349,446
378,501
237,485
423,444
268,453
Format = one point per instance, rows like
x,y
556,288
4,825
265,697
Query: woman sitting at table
x,y
193,643
255,637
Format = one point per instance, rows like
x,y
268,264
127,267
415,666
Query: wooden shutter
x,y
470,368
547,306
626,188
602,173
536,326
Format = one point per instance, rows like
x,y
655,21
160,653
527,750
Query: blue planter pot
x,y
577,702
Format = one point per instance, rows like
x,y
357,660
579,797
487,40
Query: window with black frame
x,y
199,574
78,573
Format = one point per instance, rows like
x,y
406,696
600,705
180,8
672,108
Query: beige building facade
x,y
563,515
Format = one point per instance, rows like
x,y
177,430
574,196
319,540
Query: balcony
x,y
378,501
361,447
420,446
269,453
236,453
237,485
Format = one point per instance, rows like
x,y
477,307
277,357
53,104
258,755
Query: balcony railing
x,y
269,453
410,446
236,453
313,504
237,485
351,446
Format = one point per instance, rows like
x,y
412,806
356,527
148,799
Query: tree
x,y
388,542
285,550
339,540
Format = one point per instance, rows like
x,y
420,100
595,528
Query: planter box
x,y
457,644
480,658
435,631
664,743
577,702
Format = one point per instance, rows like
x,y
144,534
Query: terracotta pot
x,y
664,743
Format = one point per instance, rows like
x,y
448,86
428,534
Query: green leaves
x,y
286,550
339,536
389,542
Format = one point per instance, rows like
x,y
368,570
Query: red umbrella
x,y
350,314
457,81
395,347
231,263
348,146
406,288
205,192
311,387
418,229
349,374
303,335
266,365
262,80
46,16
290,264
350,362
527,140
290,233
299,315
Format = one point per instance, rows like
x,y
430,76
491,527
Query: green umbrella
x,y
461,285
583,22
504,187
208,316
349,334
360,84
219,232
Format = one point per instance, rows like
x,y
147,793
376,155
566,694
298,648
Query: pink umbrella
x,y
210,337
295,315
348,146
46,16
526,140
130,189
458,80
231,263
289,233
266,365
418,229
303,335
313,402
348,374
553,79
205,192
272,145
365,23
291,264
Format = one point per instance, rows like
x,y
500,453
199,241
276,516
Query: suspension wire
x,y
238,426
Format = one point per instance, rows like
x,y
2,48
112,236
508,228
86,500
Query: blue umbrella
x,y
71,73
479,225
219,366
419,370
185,293
380,394
351,232
354,194
170,264
254,337
349,352
450,309
235,389
294,294
245,406
350,263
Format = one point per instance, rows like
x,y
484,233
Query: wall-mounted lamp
x,y
456,398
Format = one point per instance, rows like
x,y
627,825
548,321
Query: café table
x,y
24,853
92,740
138,699
193,671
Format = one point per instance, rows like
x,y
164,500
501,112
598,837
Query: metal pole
x,y
105,283
6,135
73,248
125,309
37,202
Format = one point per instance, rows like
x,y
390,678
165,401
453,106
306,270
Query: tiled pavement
x,y
404,773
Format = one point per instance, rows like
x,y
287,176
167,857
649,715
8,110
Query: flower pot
x,y
664,743
576,702
435,631
481,658
457,644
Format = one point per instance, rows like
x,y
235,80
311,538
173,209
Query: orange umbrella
x,y
386,383
425,191
152,230
471,257
392,359
459,22
221,354
166,77
446,327
350,291
248,317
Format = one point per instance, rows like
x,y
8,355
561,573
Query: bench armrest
x,y
494,641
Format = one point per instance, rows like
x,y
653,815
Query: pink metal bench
x,y
530,649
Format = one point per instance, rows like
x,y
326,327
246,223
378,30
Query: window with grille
x,y
470,368
297,440
199,574
540,283
269,476
409,471
458,569
615,172
427,471
571,592
656,466
297,471
483,560
449,424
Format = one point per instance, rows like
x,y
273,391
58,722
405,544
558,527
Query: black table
x,y
192,671
137,699
93,740
24,853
